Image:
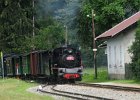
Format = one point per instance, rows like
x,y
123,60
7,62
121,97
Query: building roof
x,y
121,26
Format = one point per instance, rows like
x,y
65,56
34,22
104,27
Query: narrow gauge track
x,y
71,95
121,88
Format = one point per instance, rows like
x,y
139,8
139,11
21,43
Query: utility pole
x,y
33,4
94,44
33,26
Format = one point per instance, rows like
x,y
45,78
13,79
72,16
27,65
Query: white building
x,y
119,39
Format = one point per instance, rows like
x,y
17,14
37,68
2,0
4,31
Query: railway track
x,y
120,88
71,95
81,95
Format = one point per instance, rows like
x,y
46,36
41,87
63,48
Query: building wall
x,y
117,53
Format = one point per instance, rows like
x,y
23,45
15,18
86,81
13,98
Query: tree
x,y
51,32
15,24
108,13
135,51
48,38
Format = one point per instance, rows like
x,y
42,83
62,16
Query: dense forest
x,y
23,29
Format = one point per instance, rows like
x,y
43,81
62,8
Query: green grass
x,y
13,89
88,77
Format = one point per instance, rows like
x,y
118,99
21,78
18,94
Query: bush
x,y
135,50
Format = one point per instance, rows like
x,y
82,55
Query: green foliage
x,y
88,75
16,27
101,58
87,54
108,13
135,48
84,30
49,37
15,23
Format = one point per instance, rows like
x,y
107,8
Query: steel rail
x,y
120,88
84,95
72,95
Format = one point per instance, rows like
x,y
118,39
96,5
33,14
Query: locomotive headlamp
x,y
69,51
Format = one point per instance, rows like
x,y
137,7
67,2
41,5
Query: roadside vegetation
x,y
134,50
88,77
13,89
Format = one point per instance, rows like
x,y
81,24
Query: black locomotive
x,y
67,63
63,63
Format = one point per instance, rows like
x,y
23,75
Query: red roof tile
x,y
121,26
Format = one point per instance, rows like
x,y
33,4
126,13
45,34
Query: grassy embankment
x,y
13,89
88,77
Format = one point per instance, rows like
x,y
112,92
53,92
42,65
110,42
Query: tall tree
x,y
108,13
135,50
15,23
50,37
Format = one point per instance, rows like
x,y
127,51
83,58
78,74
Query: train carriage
x,y
8,66
26,64
45,63
12,65
40,63
34,63
17,64
63,63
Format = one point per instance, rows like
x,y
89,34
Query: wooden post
x,y
94,44
2,65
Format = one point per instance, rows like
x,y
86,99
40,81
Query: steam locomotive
x,y
63,63
67,63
